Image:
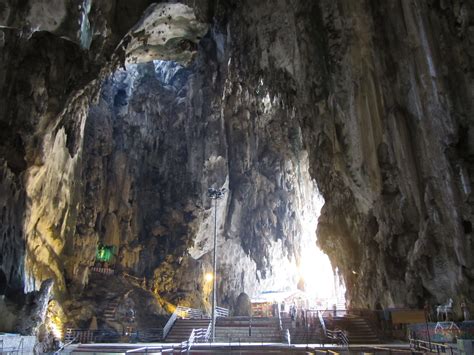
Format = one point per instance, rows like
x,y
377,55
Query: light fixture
x,y
214,194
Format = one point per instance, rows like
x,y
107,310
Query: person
x,y
292,312
293,315
130,315
303,318
465,310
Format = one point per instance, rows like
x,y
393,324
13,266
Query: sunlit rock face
x,y
399,190
368,103
48,84
155,143
165,31
383,96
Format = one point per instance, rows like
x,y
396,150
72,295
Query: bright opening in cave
x,y
322,283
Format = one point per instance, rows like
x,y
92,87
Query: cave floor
x,y
229,348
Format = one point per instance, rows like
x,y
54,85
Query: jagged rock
x,y
8,316
33,313
243,306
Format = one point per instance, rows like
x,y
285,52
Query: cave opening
x,y
317,282
157,135
164,146
321,281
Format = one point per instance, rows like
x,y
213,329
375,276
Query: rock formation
x,y
33,314
243,306
367,103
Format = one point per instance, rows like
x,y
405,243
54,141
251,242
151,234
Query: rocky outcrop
x,y
243,306
33,314
159,139
401,188
371,88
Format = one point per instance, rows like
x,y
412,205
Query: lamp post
x,y
214,194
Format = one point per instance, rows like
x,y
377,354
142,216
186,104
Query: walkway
x,y
229,348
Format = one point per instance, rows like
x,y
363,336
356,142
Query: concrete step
x,y
246,331
182,329
358,330
244,339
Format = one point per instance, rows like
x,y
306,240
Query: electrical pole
x,y
214,194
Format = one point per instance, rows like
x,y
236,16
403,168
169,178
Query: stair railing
x,y
337,335
425,346
64,346
279,318
288,337
321,320
186,312
169,324
153,349
197,335
222,312
186,345
208,332
285,334
182,312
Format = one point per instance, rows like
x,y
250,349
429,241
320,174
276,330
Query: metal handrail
x,y
12,349
195,336
424,345
186,345
186,312
286,335
87,336
279,318
338,335
146,348
65,345
208,331
169,324
181,312
321,320
333,334
222,312
399,350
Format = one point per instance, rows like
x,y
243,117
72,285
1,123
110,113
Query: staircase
x,y
312,334
182,329
248,330
109,313
357,329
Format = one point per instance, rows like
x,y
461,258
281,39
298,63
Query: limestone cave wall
x,y
383,96
399,193
372,100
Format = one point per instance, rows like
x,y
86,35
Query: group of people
x,y
299,317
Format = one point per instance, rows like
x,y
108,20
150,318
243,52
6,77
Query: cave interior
x,y
342,133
